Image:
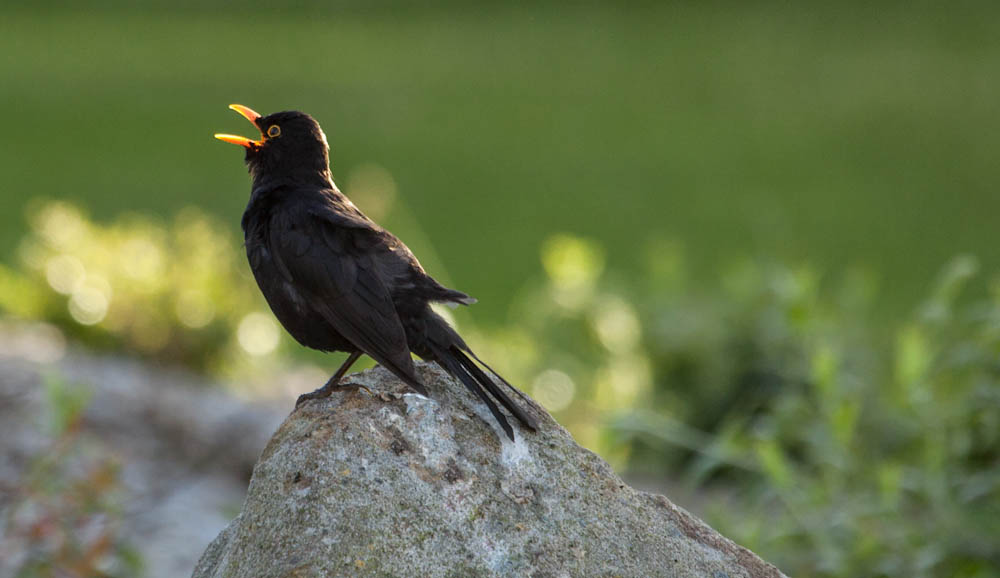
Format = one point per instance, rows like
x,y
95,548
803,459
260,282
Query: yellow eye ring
x,y
273,131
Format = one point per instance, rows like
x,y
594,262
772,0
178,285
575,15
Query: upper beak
x,y
243,141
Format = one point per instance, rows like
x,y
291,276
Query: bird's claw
x,y
326,390
307,396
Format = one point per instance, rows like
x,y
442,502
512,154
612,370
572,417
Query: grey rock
x,y
396,484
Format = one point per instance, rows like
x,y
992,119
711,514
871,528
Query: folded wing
x,y
332,267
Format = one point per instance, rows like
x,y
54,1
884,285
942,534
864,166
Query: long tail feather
x,y
497,375
454,366
495,391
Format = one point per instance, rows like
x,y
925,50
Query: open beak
x,y
243,141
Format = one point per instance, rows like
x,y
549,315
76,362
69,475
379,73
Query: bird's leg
x,y
334,382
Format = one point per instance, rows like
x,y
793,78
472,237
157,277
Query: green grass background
x,y
830,133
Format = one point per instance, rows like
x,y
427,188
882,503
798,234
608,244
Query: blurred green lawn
x,y
828,133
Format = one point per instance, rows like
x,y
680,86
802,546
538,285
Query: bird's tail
x,y
454,360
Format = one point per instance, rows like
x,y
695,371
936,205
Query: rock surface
x,y
401,485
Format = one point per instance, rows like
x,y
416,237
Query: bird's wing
x,y
399,269
403,274
332,267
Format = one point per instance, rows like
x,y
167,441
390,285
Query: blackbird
x,y
335,279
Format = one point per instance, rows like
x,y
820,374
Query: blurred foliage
x,y
888,468
173,292
837,454
836,445
61,518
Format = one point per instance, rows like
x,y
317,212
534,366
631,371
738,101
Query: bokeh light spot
x,y
258,334
573,266
617,325
88,305
554,389
61,225
65,273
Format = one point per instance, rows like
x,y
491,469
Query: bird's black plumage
x,y
335,279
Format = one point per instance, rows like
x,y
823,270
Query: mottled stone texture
x,y
402,485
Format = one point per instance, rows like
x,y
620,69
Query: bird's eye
x,y
273,131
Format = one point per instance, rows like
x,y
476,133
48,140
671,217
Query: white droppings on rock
x,y
517,454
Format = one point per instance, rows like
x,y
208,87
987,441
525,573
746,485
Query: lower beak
x,y
243,141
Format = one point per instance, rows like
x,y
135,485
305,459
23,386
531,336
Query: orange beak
x,y
243,141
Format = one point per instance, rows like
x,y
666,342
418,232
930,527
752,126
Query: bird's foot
x,y
328,389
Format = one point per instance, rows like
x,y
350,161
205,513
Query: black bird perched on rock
x,y
335,279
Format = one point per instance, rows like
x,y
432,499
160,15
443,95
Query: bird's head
x,y
292,146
